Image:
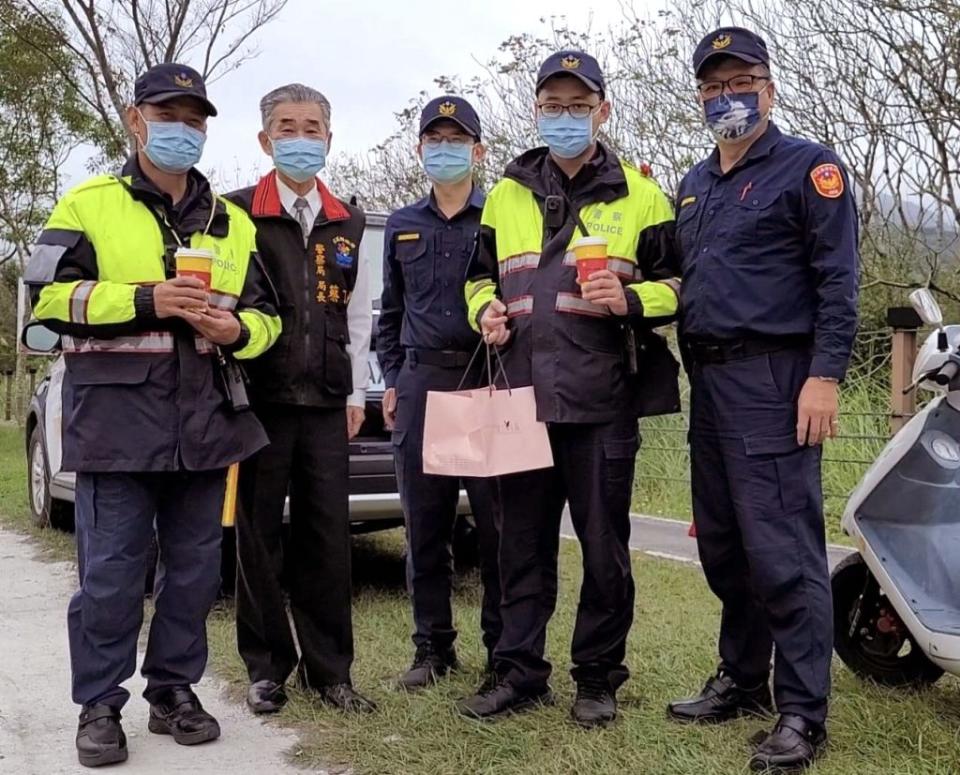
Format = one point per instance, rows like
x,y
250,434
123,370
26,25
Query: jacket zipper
x,y
306,315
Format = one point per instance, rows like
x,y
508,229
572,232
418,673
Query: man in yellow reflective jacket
x,y
149,423
569,341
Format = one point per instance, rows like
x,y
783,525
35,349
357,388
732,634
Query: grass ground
x,y
874,731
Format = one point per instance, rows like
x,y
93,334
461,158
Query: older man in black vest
x,y
310,396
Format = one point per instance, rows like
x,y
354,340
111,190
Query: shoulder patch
x,y
828,180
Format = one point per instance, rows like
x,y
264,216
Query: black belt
x,y
448,359
726,350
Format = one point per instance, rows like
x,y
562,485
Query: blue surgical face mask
x,y
447,162
173,147
299,158
566,136
733,116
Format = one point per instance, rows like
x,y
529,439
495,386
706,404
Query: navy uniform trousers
x,y
593,470
115,518
758,509
430,507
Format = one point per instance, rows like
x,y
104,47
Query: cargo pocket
x,y
619,463
780,475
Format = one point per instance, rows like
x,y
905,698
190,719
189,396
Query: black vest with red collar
x,y
309,365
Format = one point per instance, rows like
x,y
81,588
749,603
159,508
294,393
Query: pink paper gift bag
x,y
484,433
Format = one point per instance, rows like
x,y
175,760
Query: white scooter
x,y
897,601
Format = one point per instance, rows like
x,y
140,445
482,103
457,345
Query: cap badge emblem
x,y
183,81
447,109
570,63
722,41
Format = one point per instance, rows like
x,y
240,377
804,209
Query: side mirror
x,y
927,307
37,338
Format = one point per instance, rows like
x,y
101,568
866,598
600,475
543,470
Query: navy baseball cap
x,y
169,81
575,63
736,42
450,108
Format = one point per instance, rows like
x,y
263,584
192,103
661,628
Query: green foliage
x,y
41,120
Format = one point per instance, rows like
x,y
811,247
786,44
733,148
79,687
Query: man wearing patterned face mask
x,y
146,425
567,339
310,395
424,343
767,231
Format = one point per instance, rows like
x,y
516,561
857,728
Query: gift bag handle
x,y
493,379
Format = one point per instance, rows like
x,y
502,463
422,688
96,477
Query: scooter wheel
x,y
869,636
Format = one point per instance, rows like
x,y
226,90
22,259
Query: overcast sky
x,y
370,57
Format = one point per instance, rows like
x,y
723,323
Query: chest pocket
x,y
688,218
761,216
416,263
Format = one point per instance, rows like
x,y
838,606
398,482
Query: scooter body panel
x,y
905,519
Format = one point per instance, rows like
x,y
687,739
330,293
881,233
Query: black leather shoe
x,y
429,666
502,699
793,745
100,738
596,703
266,697
722,700
178,712
344,697
489,682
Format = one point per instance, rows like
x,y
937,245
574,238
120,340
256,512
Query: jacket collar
x,y
266,201
191,214
599,180
475,201
761,148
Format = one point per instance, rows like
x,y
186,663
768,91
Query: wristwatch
x,y
832,380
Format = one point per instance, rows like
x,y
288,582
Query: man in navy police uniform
x,y
767,228
425,343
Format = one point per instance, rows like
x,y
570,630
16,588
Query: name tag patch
x,y
408,237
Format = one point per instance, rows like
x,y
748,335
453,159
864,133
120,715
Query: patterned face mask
x,y
732,116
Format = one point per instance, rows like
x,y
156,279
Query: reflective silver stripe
x,y
520,263
619,266
205,346
575,304
522,305
622,267
155,342
223,301
78,301
42,267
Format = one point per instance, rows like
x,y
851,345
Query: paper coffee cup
x,y
591,255
195,262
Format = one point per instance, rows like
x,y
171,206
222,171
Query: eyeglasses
x,y
577,110
456,142
739,84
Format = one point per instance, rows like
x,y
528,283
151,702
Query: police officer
x,y
310,393
767,227
147,425
567,341
424,343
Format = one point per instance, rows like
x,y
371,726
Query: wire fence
x,y
662,485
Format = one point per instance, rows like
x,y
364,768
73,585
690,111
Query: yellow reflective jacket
x,y
570,350
141,393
